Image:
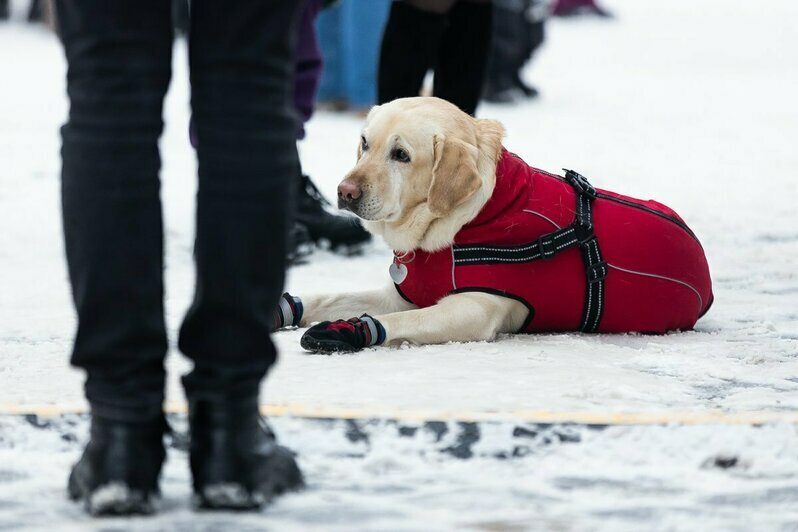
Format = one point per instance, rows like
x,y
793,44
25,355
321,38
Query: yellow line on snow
x,y
697,417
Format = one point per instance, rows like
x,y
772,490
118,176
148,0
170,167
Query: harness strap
x,y
545,247
580,233
595,268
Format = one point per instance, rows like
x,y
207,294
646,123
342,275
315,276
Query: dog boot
x,y
343,336
288,313
118,472
235,461
312,212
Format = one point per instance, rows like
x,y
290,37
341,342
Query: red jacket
x,y
648,271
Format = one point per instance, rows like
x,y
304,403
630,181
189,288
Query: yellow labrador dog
x,y
424,169
486,244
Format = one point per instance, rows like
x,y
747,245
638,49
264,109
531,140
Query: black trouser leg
x,y
462,59
505,42
119,56
241,58
410,46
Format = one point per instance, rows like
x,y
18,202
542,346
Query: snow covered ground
x,y
495,477
690,103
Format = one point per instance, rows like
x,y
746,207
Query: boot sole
x,y
227,496
112,499
324,347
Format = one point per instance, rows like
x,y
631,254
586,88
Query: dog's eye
x,y
363,144
400,155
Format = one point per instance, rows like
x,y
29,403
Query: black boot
x,y
410,45
499,93
312,213
462,62
235,460
300,245
118,472
528,90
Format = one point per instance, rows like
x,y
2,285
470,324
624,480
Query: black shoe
x,y
501,96
312,213
300,244
4,9
528,90
588,9
118,472
236,463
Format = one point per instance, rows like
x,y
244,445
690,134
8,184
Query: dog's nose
x,y
349,191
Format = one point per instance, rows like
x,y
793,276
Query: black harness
x,y
579,233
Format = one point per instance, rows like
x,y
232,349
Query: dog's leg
x,y
337,306
464,317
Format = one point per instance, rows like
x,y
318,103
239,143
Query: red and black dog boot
x,y
343,336
236,463
118,472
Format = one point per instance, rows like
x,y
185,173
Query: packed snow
x,y
381,475
690,103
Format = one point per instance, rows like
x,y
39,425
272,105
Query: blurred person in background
x,y
38,11
241,58
449,37
518,31
315,220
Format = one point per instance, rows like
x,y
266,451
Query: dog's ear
x,y
454,175
489,137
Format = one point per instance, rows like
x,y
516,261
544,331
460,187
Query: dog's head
x,y
420,160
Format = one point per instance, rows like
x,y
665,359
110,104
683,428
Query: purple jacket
x,y
308,65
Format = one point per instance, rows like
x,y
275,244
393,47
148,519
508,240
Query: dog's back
x,y
639,268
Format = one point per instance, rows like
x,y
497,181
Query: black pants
x,y
119,56
515,40
451,37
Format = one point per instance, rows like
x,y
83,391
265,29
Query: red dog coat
x,y
579,258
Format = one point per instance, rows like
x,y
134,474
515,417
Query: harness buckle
x,y
546,247
580,183
597,271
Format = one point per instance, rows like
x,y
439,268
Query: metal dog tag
x,y
398,272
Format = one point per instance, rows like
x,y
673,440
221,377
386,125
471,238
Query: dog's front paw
x,y
343,336
288,313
